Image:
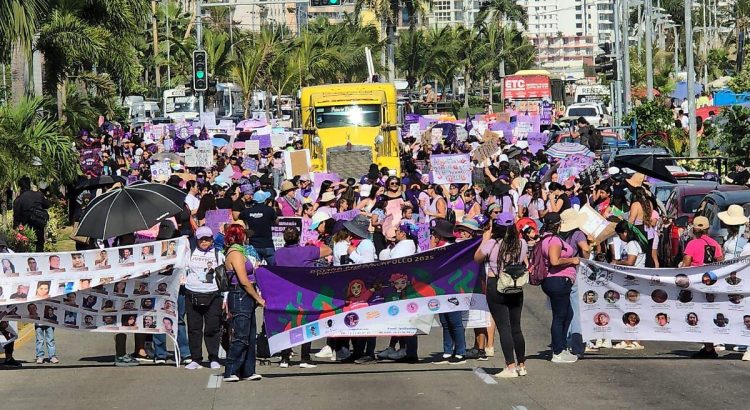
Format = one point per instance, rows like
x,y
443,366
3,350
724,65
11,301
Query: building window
x,y
579,25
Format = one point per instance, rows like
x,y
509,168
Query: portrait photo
x,y
70,318
54,264
662,319
120,289
70,299
601,319
21,293
746,321
88,322
168,324
682,281
78,263
659,296
33,311
710,297
129,305
109,305
129,321
312,330
126,256
733,279
168,307
147,253
32,267
49,314
42,289
590,297
632,296
9,269
162,289
149,322
148,304
691,319
735,298
611,296
721,321
84,284
631,319
685,296
141,288
709,278
102,260
169,249
89,302
109,320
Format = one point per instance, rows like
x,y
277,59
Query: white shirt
x,y
200,264
402,249
365,252
632,248
685,122
339,249
734,246
192,202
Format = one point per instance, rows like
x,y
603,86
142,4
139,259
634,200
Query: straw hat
x,y
571,220
636,180
287,186
327,197
733,216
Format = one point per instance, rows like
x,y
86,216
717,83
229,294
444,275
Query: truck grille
x,y
349,163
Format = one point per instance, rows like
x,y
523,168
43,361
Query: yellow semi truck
x,y
347,127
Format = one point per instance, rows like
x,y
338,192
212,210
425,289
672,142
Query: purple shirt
x,y
297,256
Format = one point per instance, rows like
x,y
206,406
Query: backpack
x,y
450,215
37,217
539,262
596,141
709,253
220,275
512,279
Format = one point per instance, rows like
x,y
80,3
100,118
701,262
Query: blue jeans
x,y
454,339
558,291
45,335
160,341
241,356
575,335
267,254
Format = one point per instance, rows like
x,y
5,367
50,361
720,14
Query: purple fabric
x,y
297,256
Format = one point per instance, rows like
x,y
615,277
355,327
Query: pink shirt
x,y
566,252
696,249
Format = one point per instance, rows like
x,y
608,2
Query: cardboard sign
x,y
279,140
308,235
215,219
450,169
252,147
250,163
296,163
195,158
208,119
205,145
264,140
277,230
414,130
487,149
423,237
436,136
503,116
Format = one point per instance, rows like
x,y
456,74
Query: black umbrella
x,y
103,180
133,208
653,165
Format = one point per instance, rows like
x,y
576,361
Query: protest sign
x,y
346,215
545,117
277,230
307,234
436,135
198,158
593,174
306,304
208,119
129,289
296,163
319,177
487,149
204,145
450,169
160,171
593,223
699,304
252,147
414,130
250,163
263,140
573,165
279,139
216,218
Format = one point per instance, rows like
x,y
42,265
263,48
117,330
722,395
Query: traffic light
x,y
324,3
200,75
606,47
606,65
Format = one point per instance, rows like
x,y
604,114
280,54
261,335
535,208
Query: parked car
x,y
717,201
590,111
685,196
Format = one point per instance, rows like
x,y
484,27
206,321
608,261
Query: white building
x,y
453,13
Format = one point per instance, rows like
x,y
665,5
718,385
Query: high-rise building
x,y
453,13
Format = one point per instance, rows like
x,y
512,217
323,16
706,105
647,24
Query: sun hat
x,y
287,186
304,178
733,216
701,222
364,190
468,225
442,227
318,218
571,220
636,180
261,196
359,226
327,197
204,232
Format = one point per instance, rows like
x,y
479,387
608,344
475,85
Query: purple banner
x,y
216,218
347,215
546,115
264,141
306,304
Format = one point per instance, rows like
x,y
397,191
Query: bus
x,y
347,127
180,104
526,89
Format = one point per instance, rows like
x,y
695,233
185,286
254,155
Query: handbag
x,y
262,349
202,299
512,279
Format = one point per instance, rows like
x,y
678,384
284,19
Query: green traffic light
x,y
333,2
200,74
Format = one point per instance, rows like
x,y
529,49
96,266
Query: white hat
x,y
317,218
733,216
523,144
327,196
571,220
502,158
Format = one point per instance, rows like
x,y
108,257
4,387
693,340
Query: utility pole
x,y
155,31
649,51
625,30
169,33
617,102
676,50
704,37
689,66
199,42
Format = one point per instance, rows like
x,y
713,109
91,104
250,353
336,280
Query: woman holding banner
x,y
241,303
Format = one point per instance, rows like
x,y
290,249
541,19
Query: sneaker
x,y
522,370
472,354
490,351
604,343
746,356
39,360
186,361
482,356
636,346
719,347
284,364
740,348
445,359
160,361
343,354
365,360
591,349
387,353
232,378
507,373
12,363
54,360
457,360
141,358
705,354
126,361
215,365
307,365
564,358
325,352
193,366
621,345
253,378
400,354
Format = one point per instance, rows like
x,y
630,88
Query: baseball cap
x,y
701,222
505,219
204,232
552,218
261,196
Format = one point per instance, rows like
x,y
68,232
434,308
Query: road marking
x,y
214,381
483,376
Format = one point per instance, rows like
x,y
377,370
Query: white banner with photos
x,y
699,304
127,289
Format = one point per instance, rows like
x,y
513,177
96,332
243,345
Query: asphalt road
x,y
661,376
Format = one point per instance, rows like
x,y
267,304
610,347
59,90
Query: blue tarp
x,y
680,92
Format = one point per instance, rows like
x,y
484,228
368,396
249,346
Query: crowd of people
x,y
516,202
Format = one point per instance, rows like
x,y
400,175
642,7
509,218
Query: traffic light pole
x,y
617,102
199,44
690,67
649,51
625,30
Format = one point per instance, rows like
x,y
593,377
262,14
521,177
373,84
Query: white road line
x,y
483,376
214,381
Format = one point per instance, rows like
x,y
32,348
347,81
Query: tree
x,y
252,64
732,133
19,21
33,146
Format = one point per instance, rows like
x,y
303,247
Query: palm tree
x,y
492,52
470,40
33,146
19,21
252,64
498,13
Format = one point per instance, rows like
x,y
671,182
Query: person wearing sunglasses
x,y
204,302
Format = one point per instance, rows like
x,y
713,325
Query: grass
x,y
64,243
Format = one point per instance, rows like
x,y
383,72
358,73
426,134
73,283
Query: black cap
x,y
552,218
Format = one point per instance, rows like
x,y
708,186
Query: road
x,y
661,376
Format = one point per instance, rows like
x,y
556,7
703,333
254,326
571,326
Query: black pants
x,y
304,356
39,239
363,346
8,348
203,323
506,311
120,340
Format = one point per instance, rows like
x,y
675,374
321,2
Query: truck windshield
x,y
348,116
582,112
181,104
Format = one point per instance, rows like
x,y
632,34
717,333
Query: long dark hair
x,y
510,248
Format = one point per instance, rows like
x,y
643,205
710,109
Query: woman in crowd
x,y
501,246
361,250
241,303
734,220
561,265
573,236
436,206
288,202
472,207
632,254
